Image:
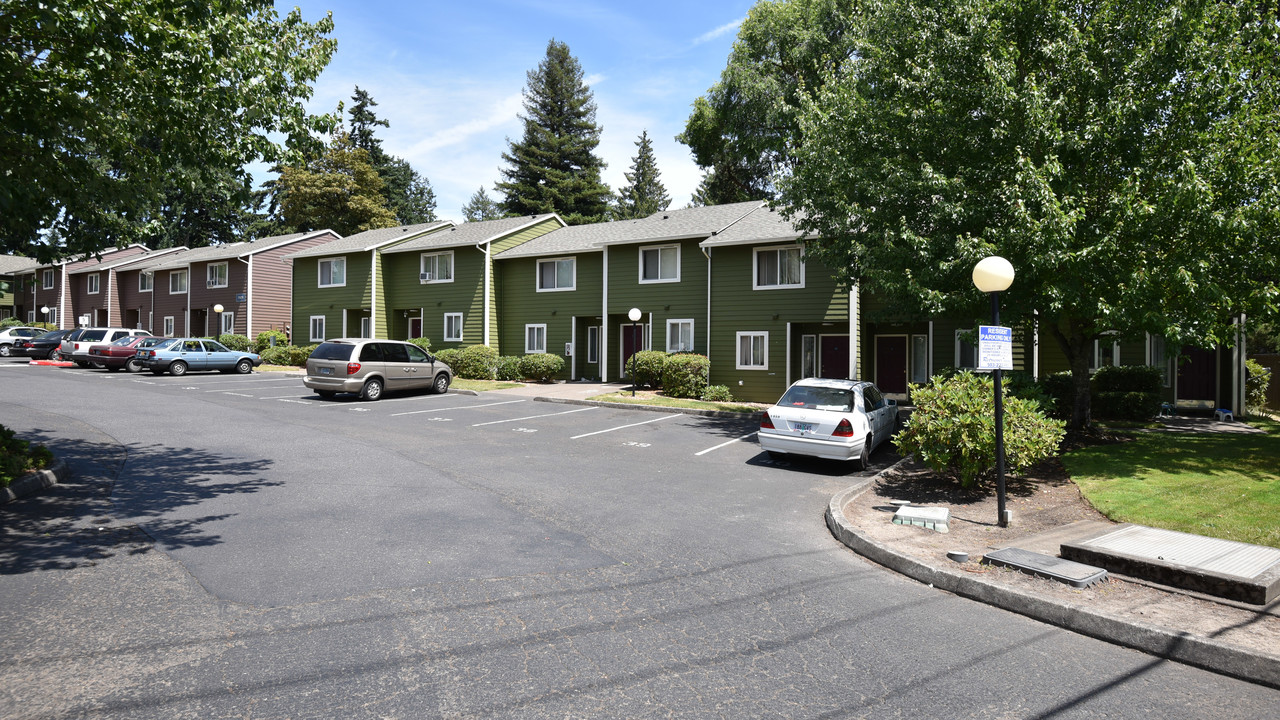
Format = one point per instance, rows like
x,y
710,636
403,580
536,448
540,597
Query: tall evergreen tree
x,y
408,193
481,207
363,122
554,167
646,194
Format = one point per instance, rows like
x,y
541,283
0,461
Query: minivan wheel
x,y
245,366
177,367
372,389
441,385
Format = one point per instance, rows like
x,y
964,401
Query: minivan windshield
x,y
332,351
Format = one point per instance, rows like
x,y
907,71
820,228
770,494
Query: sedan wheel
x,y
864,462
6,350
133,365
177,367
245,366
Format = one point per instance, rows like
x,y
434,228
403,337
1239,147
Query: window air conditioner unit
x,y
424,276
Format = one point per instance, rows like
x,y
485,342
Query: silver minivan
x,y
369,368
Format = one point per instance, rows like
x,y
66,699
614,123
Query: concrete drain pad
x,y
1077,575
933,518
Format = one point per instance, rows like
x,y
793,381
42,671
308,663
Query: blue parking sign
x,y
995,347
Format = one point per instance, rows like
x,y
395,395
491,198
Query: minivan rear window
x,y
91,335
332,351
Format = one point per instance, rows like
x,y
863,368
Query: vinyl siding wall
x,y
465,294
659,301
331,302
521,303
271,287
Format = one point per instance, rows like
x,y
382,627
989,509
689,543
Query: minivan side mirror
x,y
891,403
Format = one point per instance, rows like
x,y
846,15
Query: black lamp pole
x,y
633,358
996,374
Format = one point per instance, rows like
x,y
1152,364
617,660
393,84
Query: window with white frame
x,y
317,328
453,327
778,268
177,282
535,338
1158,358
660,264
228,323
558,274
679,336
92,283
966,350
168,326
144,281
753,351
216,275
1104,353
332,272
436,267
31,316
366,327
593,344
46,280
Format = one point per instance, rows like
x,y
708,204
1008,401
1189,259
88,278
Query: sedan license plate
x,y
802,427
326,371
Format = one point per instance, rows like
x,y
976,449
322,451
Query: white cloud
x,y
718,32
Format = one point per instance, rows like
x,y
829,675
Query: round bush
x,y
541,367
507,368
952,430
287,355
235,342
647,366
424,343
685,375
263,341
476,362
450,357
1256,382
717,393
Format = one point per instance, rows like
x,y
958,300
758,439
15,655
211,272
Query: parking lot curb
x,y
650,408
32,483
456,391
1182,647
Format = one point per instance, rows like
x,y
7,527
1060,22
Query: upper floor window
x,y
333,272
660,264
560,274
436,267
779,268
217,275
177,282
47,280
144,281
91,285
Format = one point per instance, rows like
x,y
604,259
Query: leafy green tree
x,y
408,193
1121,155
481,207
209,208
340,190
554,167
646,194
741,132
108,107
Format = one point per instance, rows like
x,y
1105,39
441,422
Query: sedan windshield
x,y
819,398
124,340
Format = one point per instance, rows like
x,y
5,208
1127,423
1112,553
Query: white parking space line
x,y
278,397
188,380
623,427
533,417
238,394
712,449
272,387
458,407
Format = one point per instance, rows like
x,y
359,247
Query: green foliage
x,y
263,341
541,367
1125,405
648,367
717,393
1128,378
1059,387
340,190
451,357
507,368
424,343
11,322
685,375
1024,385
108,108
235,342
554,167
408,194
287,355
476,362
1258,378
481,207
952,429
645,195
18,457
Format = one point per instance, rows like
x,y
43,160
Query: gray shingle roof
x,y
12,264
370,239
762,225
146,259
472,233
231,250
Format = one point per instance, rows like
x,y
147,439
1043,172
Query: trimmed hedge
x,y
287,354
1127,378
1125,405
647,366
717,393
476,362
263,341
541,367
450,357
508,368
1126,392
685,375
235,342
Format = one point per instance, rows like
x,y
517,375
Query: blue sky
x,y
449,77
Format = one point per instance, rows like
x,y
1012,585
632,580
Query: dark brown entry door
x,y
632,343
891,364
1195,378
834,357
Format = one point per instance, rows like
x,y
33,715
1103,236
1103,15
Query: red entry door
x,y
834,357
415,327
891,364
1195,378
632,343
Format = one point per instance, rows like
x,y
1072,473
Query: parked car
x,y
177,356
123,353
370,367
10,337
835,419
43,347
75,347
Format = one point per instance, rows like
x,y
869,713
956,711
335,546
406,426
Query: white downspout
x,y
110,281
573,343
604,324
488,273
248,298
928,363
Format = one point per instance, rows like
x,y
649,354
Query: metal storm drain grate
x,y
1077,575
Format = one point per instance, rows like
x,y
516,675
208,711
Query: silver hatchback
x,y
369,368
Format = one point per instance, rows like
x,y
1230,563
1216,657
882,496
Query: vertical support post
x,y
1001,515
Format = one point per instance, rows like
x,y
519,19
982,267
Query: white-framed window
x,y
535,338
331,272
1104,353
317,328
177,282
777,268
145,281
558,274
660,264
46,280
216,275
366,327
966,350
593,344
228,323
168,326
1158,358
753,351
453,327
92,283
680,335
31,317
436,267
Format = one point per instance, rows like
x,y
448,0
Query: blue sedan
x,y
179,355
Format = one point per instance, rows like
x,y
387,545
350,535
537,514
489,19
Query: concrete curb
x,y
1200,652
651,408
32,483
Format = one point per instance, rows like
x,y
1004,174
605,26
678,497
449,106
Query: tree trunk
x,y
1078,348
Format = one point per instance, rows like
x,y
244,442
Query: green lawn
x,y
464,384
650,399
1223,486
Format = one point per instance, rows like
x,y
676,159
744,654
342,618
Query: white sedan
x,y
834,419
